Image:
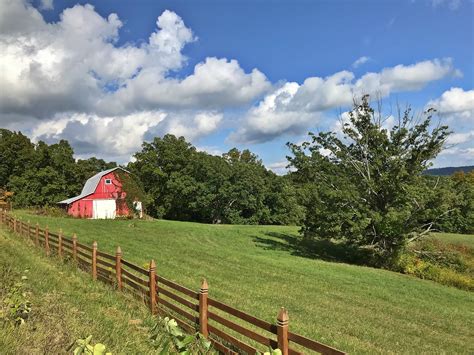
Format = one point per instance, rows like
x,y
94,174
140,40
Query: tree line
x,y
179,182
364,186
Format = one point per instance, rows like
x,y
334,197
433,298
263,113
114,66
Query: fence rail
x,y
230,330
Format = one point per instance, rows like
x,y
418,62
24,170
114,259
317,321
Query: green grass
x,y
66,305
457,239
257,269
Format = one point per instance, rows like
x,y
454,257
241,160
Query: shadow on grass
x,y
314,249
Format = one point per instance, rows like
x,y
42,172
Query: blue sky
x,y
251,74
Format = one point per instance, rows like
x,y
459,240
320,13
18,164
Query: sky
x,y
107,75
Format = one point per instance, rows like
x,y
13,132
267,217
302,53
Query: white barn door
x,y
104,209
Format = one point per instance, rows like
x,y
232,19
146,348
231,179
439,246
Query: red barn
x,y
101,198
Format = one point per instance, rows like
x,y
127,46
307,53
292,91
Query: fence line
x,y
194,311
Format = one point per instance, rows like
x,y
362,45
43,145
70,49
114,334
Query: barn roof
x,y
91,185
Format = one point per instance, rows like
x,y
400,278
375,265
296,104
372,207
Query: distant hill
x,y
448,170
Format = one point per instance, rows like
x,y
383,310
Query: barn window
x,y
108,181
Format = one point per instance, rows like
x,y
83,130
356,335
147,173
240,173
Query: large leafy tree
x,y
365,186
17,154
185,184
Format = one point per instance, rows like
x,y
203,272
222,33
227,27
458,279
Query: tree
x,y
17,154
365,185
185,184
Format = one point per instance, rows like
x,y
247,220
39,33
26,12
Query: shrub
x,y
450,265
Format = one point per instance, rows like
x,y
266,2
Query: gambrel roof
x,y
91,185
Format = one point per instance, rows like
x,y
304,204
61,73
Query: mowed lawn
x,y
253,268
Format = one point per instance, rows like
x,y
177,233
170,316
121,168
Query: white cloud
x,y
215,83
271,118
212,150
121,136
406,77
280,167
70,66
46,5
455,156
191,127
455,103
458,138
294,108
452,4
360,61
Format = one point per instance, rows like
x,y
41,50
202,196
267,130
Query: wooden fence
x,y
194,311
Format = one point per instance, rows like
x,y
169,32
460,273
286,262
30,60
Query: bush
x,y
451,265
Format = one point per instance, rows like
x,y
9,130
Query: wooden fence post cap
x,y
204,286
119,251
60,231
94,245
37,224
152,265
74,236
282,317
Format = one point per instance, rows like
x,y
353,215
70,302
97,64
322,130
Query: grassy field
x,y
65,311
259,268
464,239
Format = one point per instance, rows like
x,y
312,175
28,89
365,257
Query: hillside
x,y
258,269
66,305
449,170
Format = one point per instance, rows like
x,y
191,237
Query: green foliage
x,y
365,189
16,304
432,259
84,346
41,174
133,191
185,184
168,337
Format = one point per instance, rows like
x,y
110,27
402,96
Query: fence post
x,y
282,330
94,260
28,231
14,225
46,240
152,285
118,267
74,247
60,243
37,234
203,293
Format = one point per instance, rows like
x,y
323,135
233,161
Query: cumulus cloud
x,y
456,103
360,61
123,135
272,117
215,84
458,138
75,65
70,79
294,108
